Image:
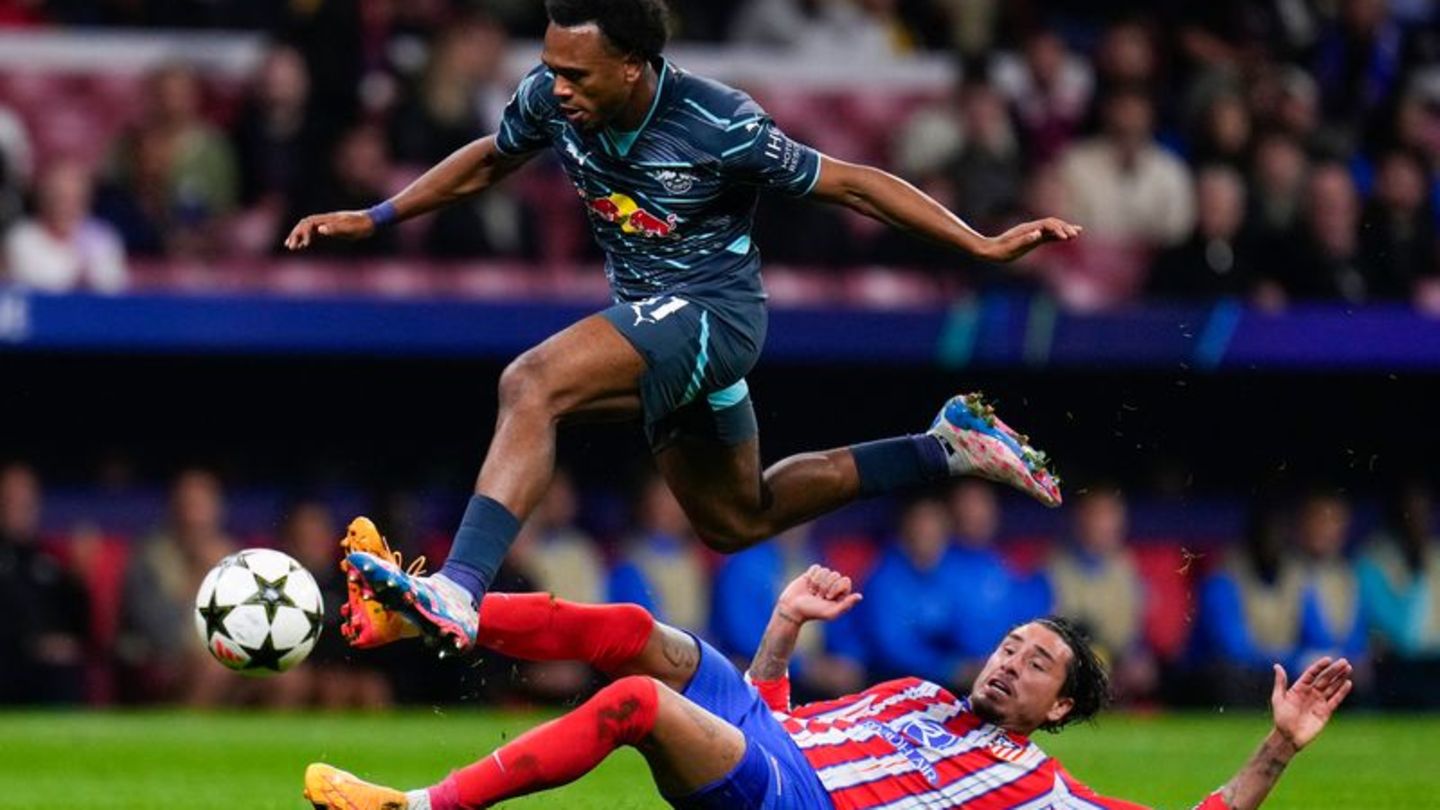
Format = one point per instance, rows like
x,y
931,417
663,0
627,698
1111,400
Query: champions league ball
x,y
259,612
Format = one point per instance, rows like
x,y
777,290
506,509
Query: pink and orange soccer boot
x,y
365,622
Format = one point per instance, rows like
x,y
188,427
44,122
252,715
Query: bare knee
x,y
525,384
732,532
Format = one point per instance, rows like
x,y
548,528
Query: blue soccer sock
x,y
899,463
486,533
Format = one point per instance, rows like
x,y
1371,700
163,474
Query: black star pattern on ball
x,y
271,594
214,616
265,656
316,619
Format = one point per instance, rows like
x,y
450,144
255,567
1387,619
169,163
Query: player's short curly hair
x,y
1086,681
637,27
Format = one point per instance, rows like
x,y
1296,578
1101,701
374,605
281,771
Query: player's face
x,y
1019,688
593,83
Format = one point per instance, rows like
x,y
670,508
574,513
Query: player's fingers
x,y
838,588
1330,674
835,609
1279,691
1313,671
1336,699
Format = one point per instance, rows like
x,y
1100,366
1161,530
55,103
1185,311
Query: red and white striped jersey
x,y
910,743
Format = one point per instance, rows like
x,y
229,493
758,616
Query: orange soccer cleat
x,y
364,621
329,788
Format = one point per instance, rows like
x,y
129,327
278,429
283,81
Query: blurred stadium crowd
x,y
1268,149
109,615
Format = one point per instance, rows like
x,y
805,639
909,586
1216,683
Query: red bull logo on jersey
x,y
622,210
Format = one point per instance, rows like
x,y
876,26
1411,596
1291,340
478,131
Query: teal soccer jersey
x,y
672,203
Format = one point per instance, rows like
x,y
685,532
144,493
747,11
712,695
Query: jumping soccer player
x,y
714,739
667,165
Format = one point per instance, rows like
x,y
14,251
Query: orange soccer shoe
x,y
365,622
329,788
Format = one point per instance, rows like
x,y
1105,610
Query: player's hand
x,y
1025,237
335,225
819,593
1302,710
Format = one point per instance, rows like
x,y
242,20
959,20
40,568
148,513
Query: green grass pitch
x,y
99,761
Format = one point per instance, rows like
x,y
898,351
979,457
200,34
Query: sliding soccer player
x,y
716,740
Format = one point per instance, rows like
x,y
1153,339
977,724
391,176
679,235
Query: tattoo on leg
x,y
680,651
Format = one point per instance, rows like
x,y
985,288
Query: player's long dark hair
x,y
633,26
1086,681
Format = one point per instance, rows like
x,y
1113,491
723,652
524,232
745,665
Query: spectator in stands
x,y
43,641
16,166
556,554
964,153
280,139
1324,260
1220,258
459,96
157,641
1331,619
1358,64
987,169
1250,611
1277,190
1122,184
63,248
1126,55
827,663
1400,594
1398,239
993,599
850,29
1294,108
663,567
1095,583
910,615
190,161
360,173
553,554
1050,91
1224,130
331,676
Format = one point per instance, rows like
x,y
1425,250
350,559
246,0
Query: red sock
x,y
539,627
558,752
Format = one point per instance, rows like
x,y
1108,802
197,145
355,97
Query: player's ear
x,y
634,68
1058,710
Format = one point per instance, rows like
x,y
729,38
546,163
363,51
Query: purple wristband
x,y
382,214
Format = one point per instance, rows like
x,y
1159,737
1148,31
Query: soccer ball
x,y
259,612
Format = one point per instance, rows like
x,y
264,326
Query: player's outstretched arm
x,y
819,593
468,171
1301,712
883,196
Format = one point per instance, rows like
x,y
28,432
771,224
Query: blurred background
x,y
1235,368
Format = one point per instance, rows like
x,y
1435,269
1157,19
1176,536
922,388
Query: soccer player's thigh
x,y
719,485
587,370
689,748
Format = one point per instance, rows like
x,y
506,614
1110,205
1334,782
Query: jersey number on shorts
x,y
655,310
